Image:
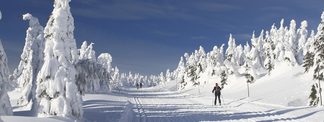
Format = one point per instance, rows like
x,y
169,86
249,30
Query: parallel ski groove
x,y
140,109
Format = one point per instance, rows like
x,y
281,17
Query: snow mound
x,y
33,119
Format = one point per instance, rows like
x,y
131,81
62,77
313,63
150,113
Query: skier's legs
x,y
215,99
219,99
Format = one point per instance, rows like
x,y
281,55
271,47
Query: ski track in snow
x,y
140,109
149,105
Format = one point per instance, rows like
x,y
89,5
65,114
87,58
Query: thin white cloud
x,y
139,10
276,9
215,7
126,10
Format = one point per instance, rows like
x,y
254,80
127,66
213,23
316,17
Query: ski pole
x,y
223,99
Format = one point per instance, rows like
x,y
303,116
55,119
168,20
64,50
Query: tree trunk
x,y
248,89
320,92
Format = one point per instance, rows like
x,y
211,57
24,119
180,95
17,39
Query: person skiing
x,y
137,85
141,85
217,91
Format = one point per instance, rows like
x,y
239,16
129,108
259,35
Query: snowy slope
x,y
286,86
290,84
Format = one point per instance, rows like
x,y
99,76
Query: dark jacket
x,y
217,90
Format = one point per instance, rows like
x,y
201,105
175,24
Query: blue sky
x,y
149,36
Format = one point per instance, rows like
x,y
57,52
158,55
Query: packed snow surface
x,y
281,96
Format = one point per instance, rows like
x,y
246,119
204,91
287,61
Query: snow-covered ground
x,y
282,96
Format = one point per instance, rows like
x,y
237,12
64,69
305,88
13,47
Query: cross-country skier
x,y
217,91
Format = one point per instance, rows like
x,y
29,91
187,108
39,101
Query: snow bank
x,y
33,119
5,106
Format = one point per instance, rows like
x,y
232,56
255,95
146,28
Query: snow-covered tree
x,y
292,37
168,76
269,56
201,58
230,51
309,53
83,51
31,60
255,59
214,60
249,76
239,55
302,34
313,97
319,57
290,44
309,45
259,46
5,106
249,80
105,60
308,60
223,77
115,78
57,93
278,36
230,56
192,74
161,78
88,76
180,73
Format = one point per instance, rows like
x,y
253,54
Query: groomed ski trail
x,y
149,105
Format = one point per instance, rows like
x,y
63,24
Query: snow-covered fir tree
x,y
302,34
309,50
31,60
230,60
308,60
88,75
283,44
57,93
115,78
239,55
291,44
269,56
180,73
105,60
255,58
162,78
5,106
230,49
248,75
223,77
319,60
313,97
168,75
